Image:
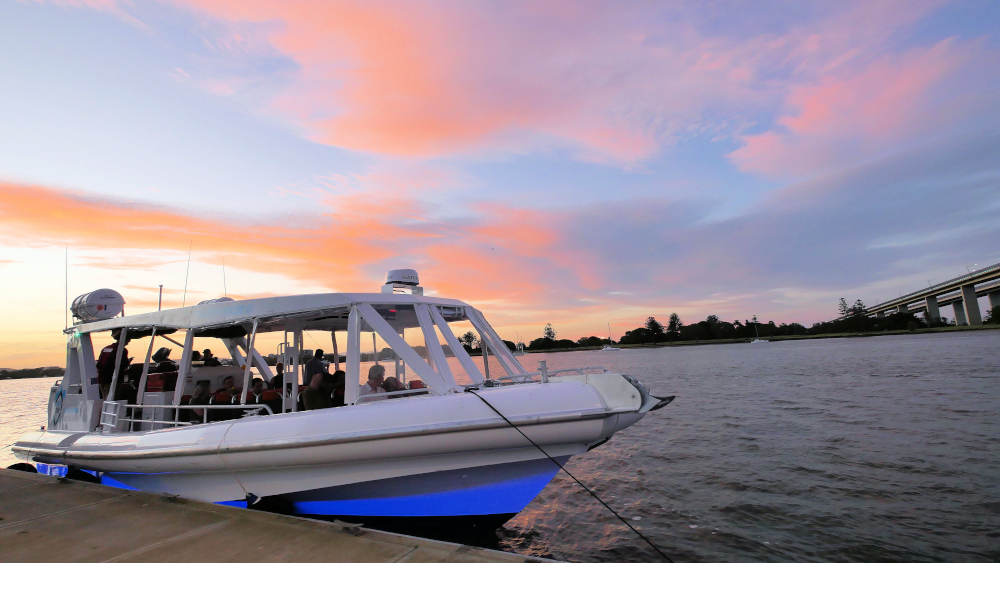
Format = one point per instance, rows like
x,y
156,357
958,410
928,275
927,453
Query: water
x,y
863,449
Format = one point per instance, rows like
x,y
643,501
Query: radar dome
x,y
97,305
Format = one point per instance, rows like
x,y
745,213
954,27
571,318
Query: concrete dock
x,y
46,519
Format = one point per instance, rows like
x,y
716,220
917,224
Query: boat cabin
x,y
402,331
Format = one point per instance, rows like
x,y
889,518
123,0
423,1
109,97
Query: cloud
x,y
610,82
606,82
836,235
859,112
348,247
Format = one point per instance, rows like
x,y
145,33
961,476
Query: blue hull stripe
x,y
497,498
465,492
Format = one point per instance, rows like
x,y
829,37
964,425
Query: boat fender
x,y
26,467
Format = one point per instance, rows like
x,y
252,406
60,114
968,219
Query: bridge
x,y
962,293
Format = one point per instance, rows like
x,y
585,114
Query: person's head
x,y
280,368
116,334
391,384
201,388
319,353
316,382
376,374
257,386
196,356
207,354
229,383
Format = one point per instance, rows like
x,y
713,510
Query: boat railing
x,y
385,395
541,375
111,414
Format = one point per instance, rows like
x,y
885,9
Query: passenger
x,y
376,375
314,366
315,396
200,396
338,380
256,391
227,395
196,357
106,364
391,384
280,377
228,388
210,360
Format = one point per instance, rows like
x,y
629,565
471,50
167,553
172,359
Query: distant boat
x,y
519,351
756,339
609,347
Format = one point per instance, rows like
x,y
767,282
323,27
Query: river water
x,y
852,449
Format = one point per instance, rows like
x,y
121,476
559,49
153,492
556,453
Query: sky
x,y
587,164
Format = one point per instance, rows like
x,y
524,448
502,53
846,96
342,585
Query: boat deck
x,y
45,519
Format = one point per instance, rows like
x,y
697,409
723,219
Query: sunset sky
x,y
579,163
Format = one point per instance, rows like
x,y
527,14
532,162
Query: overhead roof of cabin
x,y
233,318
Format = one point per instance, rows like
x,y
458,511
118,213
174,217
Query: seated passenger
x,y
227,395
209,359
391,384
316,396
376,375
196,357
256,389
200,396
228,388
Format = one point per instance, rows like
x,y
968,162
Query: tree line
x,y
852,319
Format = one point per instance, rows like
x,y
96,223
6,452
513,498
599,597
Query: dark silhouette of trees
x,y
853,318
674,327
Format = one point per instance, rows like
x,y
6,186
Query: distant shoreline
x,y
41,372
33,373
777,338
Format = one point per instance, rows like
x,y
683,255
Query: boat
x,y
456,444
756,339
609,347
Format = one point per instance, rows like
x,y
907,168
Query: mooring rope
x,y
556,462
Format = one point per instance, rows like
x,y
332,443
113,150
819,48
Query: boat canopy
x,y
234,318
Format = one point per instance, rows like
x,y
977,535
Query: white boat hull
x,y
424,456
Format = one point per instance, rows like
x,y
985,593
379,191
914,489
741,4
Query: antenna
x,y
159,302
186,271
66,291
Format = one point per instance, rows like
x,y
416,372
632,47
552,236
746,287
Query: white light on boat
x,y
402,281
97,305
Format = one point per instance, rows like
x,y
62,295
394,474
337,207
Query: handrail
x,y
537,376
385,395
177,408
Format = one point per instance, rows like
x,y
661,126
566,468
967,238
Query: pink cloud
x,y
855,113
609,82
428,79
